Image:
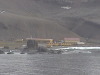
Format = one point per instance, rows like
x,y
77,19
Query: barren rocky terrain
x,y
49,19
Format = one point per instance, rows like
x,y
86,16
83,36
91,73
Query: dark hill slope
x,y
17,26
46,19
25,18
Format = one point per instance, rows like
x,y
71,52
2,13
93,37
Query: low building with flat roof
x,y
74,40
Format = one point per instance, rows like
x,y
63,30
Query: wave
x,y
76,51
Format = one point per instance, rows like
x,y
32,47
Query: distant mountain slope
x,y
46,19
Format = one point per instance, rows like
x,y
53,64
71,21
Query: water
x,y
51,64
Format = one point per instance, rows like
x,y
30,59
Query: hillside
x,y
47,19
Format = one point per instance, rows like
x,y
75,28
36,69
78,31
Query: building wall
x,y
72,40
41,40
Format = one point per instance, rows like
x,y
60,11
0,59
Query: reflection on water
x,y
50,64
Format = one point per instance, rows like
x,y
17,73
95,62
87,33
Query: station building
x,y
72,40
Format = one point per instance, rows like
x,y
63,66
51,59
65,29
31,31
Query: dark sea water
x,y
50,64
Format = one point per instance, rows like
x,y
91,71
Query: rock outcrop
x,y
2,52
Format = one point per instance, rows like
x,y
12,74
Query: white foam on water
x,y
76,51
